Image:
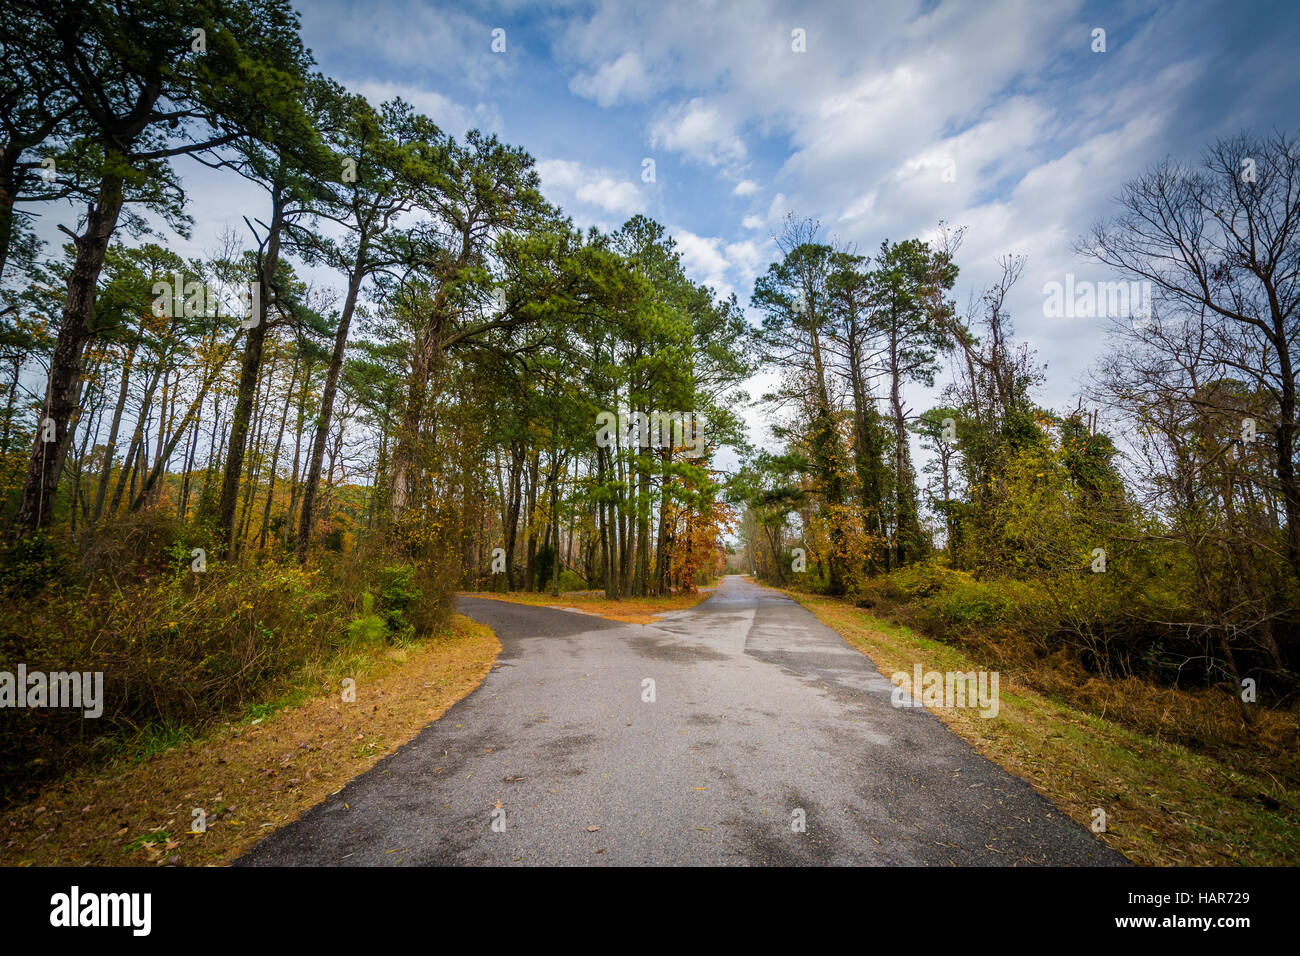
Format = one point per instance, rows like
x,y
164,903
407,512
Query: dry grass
x,y
1165,805
250,778
631,610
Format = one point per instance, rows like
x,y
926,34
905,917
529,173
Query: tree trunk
x,y
46,462
327,411
110,449
275,455
248,376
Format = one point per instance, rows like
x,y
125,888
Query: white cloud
x,y
725,266
860,206
777,209
567,181
702,257
700,130
746,187
611,195
449,115
621,79
747,257
405,37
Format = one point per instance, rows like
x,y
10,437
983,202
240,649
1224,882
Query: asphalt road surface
x,y
759,712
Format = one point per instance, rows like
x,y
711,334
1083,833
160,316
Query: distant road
x,y
759,712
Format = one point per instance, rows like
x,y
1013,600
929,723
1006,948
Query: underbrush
x,y
569,581
1084,641
181,638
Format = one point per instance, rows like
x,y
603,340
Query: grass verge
x,y
1164,805
253,776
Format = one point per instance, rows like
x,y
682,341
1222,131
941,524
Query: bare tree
x,y
1220,245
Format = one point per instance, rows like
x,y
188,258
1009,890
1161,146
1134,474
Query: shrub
x,y
136,546
28,564
922,580
174,648
368,627
963,602
398,596
180,649
543,567
572,582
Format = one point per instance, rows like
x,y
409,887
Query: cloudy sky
x,y
1036,130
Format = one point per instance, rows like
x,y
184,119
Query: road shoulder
x,y
1163,805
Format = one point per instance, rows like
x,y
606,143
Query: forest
x,y
1137,554
217,469
390,386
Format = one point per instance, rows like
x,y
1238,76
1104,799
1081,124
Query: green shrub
x,y
368,627
28,564
964,602
572,582
179,648
921,580
398,596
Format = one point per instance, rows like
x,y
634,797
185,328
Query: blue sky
x,y
856,131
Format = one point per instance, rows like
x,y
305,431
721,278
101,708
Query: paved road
x,y
759,711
